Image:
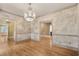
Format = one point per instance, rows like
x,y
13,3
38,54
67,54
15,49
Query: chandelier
x,y
29,15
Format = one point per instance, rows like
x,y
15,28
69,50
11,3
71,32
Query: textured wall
x,y
65,27
65,21
22,28
35,33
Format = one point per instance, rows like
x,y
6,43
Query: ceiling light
x,y
29,15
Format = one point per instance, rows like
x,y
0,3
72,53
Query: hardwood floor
x,y
33,48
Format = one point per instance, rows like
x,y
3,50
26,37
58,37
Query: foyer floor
x,y
32,48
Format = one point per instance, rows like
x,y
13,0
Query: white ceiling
x,y
39,8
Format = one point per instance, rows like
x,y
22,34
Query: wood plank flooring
x,y
34,48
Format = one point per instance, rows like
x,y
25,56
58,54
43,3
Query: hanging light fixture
x,y
29,15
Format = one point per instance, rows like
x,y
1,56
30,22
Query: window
x,y
3,28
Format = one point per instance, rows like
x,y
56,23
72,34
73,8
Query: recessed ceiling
x,y
39,8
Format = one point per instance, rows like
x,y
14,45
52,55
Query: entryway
x,y
46,33
6,33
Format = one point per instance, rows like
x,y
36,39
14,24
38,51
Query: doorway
x,y
45,29
10,32
6,34
45,34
